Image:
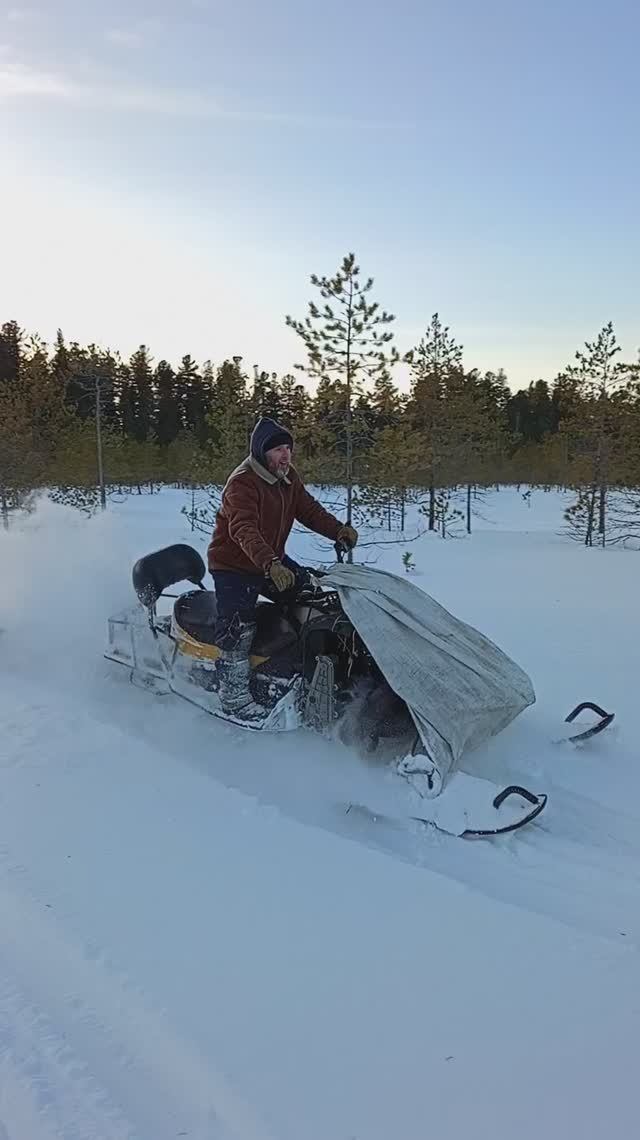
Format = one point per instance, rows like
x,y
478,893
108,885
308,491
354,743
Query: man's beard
x,y
282,470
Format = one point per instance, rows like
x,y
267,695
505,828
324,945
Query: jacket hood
x,y
268,433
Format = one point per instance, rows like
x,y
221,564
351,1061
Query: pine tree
x,y
191,390
496,388
91,375
32,418
230,421
185,462
296,412
11,346
208,385
385,403
78,372
21,464
126,401
265,395
75,479
61,364
327,444
624,511
167,423
295,403
591,427
473,437
532,413
347,341
68,366
436,362
142,394
390,476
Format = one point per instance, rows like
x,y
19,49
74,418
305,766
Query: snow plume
x,y
62,574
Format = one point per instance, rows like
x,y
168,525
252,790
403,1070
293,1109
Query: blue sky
x,y
173,172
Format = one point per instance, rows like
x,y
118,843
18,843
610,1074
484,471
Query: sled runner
x,y
466,809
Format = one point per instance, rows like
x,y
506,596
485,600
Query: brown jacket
x,y
256,516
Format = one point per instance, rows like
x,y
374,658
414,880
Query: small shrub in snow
x,y
85,499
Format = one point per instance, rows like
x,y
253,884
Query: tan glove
x,y
348,535
282,577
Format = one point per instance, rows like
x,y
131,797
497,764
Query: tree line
x,y
453,430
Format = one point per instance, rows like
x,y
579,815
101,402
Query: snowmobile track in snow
x,y
578,862
102,1053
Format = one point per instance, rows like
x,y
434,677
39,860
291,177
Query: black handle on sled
x,y
604,722
514,790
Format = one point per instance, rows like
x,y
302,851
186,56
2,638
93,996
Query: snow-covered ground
x,y
197,941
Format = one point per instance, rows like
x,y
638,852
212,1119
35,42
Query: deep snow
x,y
197,940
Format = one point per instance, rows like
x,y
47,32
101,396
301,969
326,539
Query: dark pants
x,y
237,595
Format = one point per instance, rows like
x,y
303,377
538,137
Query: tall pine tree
x,y
32,419
142,393
11,343
436,365
167,422
592,429
190,387
348,341
230,421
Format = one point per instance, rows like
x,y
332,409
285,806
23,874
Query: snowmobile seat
x,y
196,613
154,572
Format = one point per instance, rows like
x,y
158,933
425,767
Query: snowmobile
x,y
313,668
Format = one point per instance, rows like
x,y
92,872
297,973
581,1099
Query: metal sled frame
x,y
155,671
129,645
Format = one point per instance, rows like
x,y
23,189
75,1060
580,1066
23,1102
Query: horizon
x,y
173,174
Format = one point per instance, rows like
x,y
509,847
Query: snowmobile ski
x,y
465,811
498,825
594,729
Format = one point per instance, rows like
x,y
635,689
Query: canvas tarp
x,y
460,688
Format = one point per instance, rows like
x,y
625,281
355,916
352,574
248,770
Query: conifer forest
x,y
388,424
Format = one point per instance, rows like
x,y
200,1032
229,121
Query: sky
x,y
172,173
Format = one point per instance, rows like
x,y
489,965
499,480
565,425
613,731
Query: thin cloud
x,y
123,37
135,34
20,15
19,81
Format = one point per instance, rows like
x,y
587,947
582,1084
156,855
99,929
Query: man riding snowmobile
x,y
261,500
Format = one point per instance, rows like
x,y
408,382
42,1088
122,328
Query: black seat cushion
x,y
196,613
